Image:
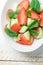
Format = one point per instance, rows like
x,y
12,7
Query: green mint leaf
x,y
35,5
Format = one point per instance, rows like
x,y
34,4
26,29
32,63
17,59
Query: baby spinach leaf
x,y
17,11
28,13
10,15
10,33
34,24
15,16
33,32
35,5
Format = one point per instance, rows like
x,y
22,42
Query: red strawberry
x,y
34,15
15,27
9,10
41,21
24,41
22,18
25,4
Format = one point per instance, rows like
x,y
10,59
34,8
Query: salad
x,y
25,23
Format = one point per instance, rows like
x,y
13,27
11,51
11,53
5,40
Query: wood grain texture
x,y
20,63
11,54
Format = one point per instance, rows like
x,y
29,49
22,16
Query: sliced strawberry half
x,y
22,17
25,4
41,17
24,41
15,27
34,15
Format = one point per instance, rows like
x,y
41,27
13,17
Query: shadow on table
x,y
38,52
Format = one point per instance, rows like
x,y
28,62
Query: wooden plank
x,y
7,53
20,63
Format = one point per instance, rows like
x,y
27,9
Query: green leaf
x,y
28,13
33,32
10,15
17,11
35,5
10,33
35,23
15,16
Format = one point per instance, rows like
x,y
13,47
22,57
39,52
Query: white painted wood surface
x,y
9,56
19,63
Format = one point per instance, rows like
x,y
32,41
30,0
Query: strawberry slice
x,y
25,4
41,21
34,15
22,18
24,41
9,10
15,27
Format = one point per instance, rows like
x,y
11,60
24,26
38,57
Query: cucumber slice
x,y
29,22
40,34
17,38
35,23
13,21
23,29
41,5
27,35
8,26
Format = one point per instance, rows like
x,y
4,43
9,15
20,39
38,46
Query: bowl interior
x,y
22,48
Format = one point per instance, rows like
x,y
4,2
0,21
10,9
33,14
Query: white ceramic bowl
x,y
22,48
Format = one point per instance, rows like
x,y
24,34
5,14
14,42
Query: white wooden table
x,y
9,56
